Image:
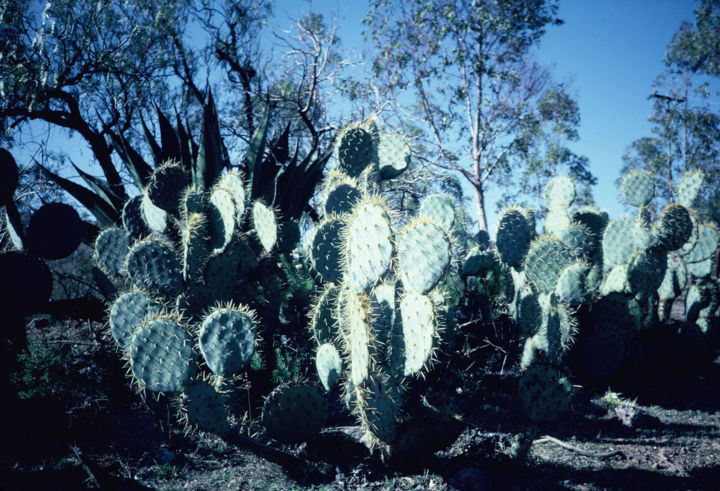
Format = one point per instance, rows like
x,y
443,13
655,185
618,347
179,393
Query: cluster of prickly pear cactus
x,y
603,279
387,298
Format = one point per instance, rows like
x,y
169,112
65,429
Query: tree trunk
x,y
480,207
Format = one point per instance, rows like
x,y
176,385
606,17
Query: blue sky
x,y
611,50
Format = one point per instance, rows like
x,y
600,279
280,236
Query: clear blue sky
x,y
612,50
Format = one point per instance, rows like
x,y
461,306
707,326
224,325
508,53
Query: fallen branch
x,y
586,453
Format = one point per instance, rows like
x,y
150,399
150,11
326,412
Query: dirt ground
x,y
91,430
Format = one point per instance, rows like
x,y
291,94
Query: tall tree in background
x,y
553,126
459,69
685,123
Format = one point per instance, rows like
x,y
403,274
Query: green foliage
x,y
43,371
287,367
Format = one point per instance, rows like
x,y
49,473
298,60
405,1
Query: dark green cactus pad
x,y
619,312
205,408
221,275
560,191
571,285
341,199
393,155
545,261
30,286
156,218
357,151
419,331
326,250
621,239
294,413
194,301
705,246
674,227
111,248
440,209
232,181
227,339
450,291
166,186
689,187
221,219
478,262
637,188
367,245
264,225
132,218
323,316
698,297
329,365
192,201
162,355
384,298
152,264
669,288
9,177
528,313
646,271
127,314
55,231
378,404
513,237
545,392
423,255
593,218
195,247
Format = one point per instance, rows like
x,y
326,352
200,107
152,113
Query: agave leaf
x,y
168,138
102,189
152,143
209,163
135,164
254,153
103,212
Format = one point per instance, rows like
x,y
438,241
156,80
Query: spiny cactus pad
x,y
152,264
221,218
367,245
674,226
356,151
419,331
127,314
378,404
155,217
323,317
166,186
423,255
393,155
54,232
513,237
326,250
440,209
132,218
571,284
205,408
559,191
294,413
637,188
264,225
360,342
233,182
328,364
705,245
545,261
195,247
341,199
689,187
162,357
111,247
227,339
620,241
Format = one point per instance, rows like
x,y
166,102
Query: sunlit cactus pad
x,y
368,245
637,188
328,364
440,209
265,225
423,255
152,264
393,155
419,331
111,247
127,314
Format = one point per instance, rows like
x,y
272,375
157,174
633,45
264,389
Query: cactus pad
x,y
233,182
127,314
367,245
326,250
545,392
221,219
341,199
637,188
689,187
328,364
545,261
513,237
620,241
205,409
227,339
357,150
155,217
132,218
674,226
264,225
166,186
706,244
54,232
571,286
152,263
440,209
161,355
423,255
9,176
419,331
323,318
560,191
294,413
31,287
393,155
111,247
